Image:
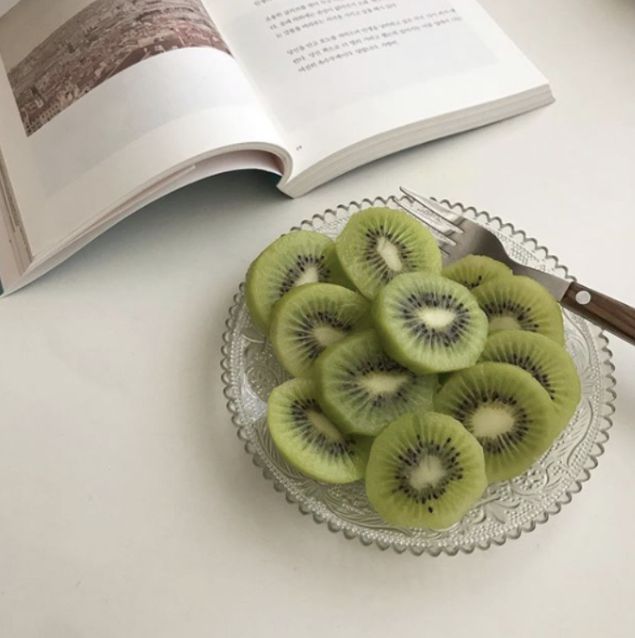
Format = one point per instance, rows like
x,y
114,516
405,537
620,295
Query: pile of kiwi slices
x,y
426,382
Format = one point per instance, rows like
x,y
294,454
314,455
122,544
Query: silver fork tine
x,y
439,235
448,216
445,244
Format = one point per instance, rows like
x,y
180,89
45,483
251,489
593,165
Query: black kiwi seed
x,y
377,244
425,470
526,363
523,300
479,396
361,389
521,313
308,439
302,263
284,264
407,310
488,399
367,366
303,425
375,260
546,361
429,323
310,318
473,270
411,457
309,321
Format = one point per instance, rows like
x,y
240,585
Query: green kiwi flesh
x,y
300,257
546,361
520,303
425,470
377,244
311,317
309,440
362,389
429,323
473,270
507,410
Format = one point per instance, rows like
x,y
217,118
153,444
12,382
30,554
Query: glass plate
x,y
250,371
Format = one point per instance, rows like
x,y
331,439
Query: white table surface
x,y
127,504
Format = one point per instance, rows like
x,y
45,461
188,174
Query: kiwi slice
x,y
473,270
362,389
520,303
506,409
310,318
378,244
301,257
546,361
429,323
425,470
308,439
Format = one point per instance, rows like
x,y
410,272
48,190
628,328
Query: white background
x,y
127,505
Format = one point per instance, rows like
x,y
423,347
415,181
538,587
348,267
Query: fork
x,y
459,236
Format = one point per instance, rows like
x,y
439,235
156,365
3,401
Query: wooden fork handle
x,y
610,314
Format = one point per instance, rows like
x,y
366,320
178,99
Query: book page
x,y
99,98
337,72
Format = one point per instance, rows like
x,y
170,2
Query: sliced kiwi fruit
x,y
310,318
507,410
377,244
306,437
473,270
429,323
425,470
362,389
546,361
520,303
300,257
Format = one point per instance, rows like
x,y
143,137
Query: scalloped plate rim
x,y
367,539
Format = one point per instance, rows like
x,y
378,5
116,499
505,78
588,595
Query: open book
x,y
106,105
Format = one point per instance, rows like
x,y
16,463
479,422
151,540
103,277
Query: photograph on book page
x,y
95,44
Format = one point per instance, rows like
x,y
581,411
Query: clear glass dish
x,y
250,371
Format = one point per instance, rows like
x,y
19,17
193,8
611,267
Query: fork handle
x,y
608,313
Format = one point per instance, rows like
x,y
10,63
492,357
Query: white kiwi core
x,y
504,322
383,382
436,318
309,276
492,420
390,254
428,472
323,425
326,335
